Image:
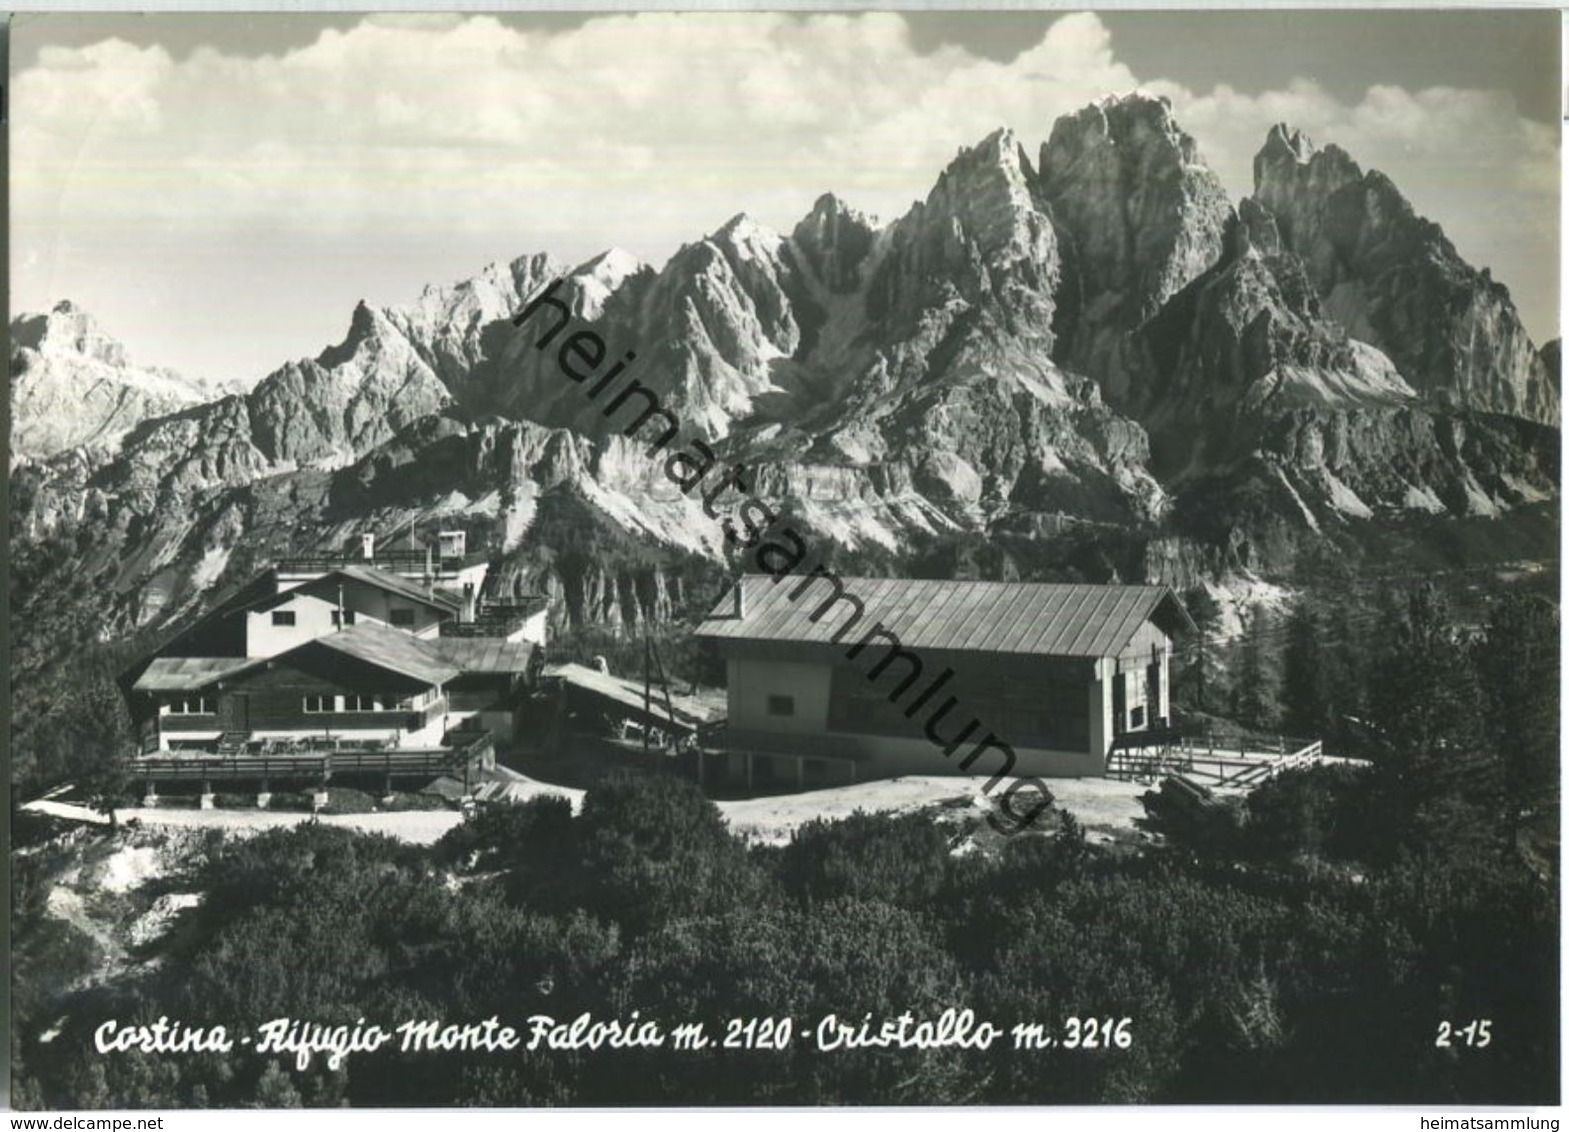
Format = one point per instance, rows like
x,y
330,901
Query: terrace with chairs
x,y
312,761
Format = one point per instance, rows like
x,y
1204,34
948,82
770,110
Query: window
x,y
283,616
361,703
403,618
343,616
781,705
314,704
192,705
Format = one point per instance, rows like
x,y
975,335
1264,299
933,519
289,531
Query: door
x,y
234,711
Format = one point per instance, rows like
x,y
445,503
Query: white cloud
x,y
643,130
686,118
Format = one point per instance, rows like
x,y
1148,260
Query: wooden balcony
x,y
312,760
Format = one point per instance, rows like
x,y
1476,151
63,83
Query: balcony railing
x,y
393,561
495,619
312,763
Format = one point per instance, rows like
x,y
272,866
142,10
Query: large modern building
x,y
835,680
333,650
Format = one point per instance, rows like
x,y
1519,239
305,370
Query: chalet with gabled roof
x,y
324,653
833,679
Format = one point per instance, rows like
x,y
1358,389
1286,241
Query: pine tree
x,y
1347,652
108,786
1425,699
1304,676
1517,667
275,1089
1200,684
1435,778
1255,700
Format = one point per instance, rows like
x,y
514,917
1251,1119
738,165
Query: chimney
x,y
368,547
740,597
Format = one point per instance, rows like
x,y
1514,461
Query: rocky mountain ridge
x,y
1382,272
72,385
1094,355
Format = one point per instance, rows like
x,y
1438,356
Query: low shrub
x,y
342,800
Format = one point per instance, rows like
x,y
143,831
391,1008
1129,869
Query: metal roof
x,y
189,673
1026,618
688,711
431,661
371,576
389,649
484,654
246,600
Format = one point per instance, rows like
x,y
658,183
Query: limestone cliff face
x,y
1142,217
1244,343
1358,463
320,413
718,319
1253,388
73,385
447,326
834,240
1393,280
1550,358
950,349
978,238
704,331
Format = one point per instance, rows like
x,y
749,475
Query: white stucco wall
x,y
313,618
753,681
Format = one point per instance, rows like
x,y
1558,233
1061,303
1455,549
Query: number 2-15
x,y
1475,1033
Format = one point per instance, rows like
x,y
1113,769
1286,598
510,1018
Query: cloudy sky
x,y
220,190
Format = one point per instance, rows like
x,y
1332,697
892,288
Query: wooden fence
x,y
1234,762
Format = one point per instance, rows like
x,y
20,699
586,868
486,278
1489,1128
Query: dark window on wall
x,y
283,616
361,703
317,704
343,616
781,705
403,618
192,705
